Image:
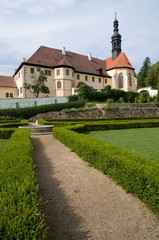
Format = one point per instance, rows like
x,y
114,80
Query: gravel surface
x,y
82,203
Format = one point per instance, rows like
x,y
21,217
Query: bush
x,y
136,174
110,100
73,98
20,208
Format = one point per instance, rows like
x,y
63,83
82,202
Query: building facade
x,y
66,70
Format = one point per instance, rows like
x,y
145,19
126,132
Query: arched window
x,y
120,80
129,79
58,84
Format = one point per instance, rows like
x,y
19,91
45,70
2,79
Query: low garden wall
x,y
105,111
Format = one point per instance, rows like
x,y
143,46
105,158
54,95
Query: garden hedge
x,y
5,133
20,207
29,112
104,124
137,175
13,124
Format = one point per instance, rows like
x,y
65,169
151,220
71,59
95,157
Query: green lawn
x,y
2,144
143,141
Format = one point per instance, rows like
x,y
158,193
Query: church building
x,y
118,66
66,70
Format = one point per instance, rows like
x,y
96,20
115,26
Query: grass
x,y
143,141
2,144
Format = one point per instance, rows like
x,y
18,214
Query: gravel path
x,y
82,203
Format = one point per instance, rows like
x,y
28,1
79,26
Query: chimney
x,y
64,51
89,57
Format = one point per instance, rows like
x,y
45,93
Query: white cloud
x,y
82,26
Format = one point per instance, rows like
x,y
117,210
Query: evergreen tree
x,y
153,76
142,75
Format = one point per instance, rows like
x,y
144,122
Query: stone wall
x,y
105,111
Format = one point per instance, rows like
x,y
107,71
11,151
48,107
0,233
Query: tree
x,y
142,75
38,84
84,92
153,76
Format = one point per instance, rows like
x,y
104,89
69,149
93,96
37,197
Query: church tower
x,y
116,40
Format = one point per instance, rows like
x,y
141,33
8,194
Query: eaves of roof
x,y
53,58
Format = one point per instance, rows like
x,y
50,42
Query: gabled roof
x,y
63,62
120,62
6,81
52,58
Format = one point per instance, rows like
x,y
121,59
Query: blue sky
x,y
82,26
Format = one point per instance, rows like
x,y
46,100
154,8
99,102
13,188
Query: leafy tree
x,y
153,76
38,84
107,89
142,75
84,92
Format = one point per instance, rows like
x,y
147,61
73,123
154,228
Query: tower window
x,y
58,72
67,72
59,84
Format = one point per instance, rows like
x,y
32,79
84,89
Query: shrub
x,y
20,208
110,100
136,174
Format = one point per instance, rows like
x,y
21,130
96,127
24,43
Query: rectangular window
x,y
7,94
58,72
11,95
78,76
92,79
32,70
105,80
48,72
99,80
86,78
67,72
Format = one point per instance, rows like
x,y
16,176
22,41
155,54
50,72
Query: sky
x,y
81,26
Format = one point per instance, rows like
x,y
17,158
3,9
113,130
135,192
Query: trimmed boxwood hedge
x,y
6,133
137,175
105,124
12,124
20,207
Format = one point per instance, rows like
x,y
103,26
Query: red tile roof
x,y
53,58
120,62
6,81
